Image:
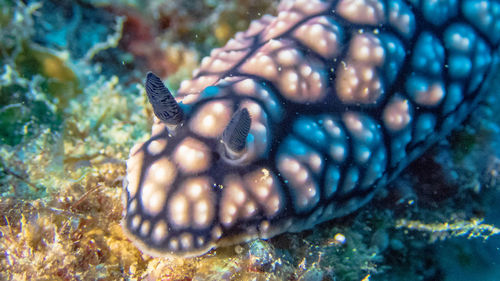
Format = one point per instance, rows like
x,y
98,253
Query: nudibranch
x,y
303,117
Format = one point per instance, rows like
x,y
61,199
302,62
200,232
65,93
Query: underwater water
x,y
73,103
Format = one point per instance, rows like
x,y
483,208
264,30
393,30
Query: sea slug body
x,y
303,117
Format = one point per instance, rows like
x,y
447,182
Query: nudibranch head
x,y
199,175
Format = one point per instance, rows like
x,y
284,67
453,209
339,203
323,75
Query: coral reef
x,y
71,108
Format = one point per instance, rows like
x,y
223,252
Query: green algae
x,y
24,105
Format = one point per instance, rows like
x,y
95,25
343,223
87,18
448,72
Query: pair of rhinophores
x,y
302,117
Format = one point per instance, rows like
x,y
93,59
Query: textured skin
x,y
342,95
